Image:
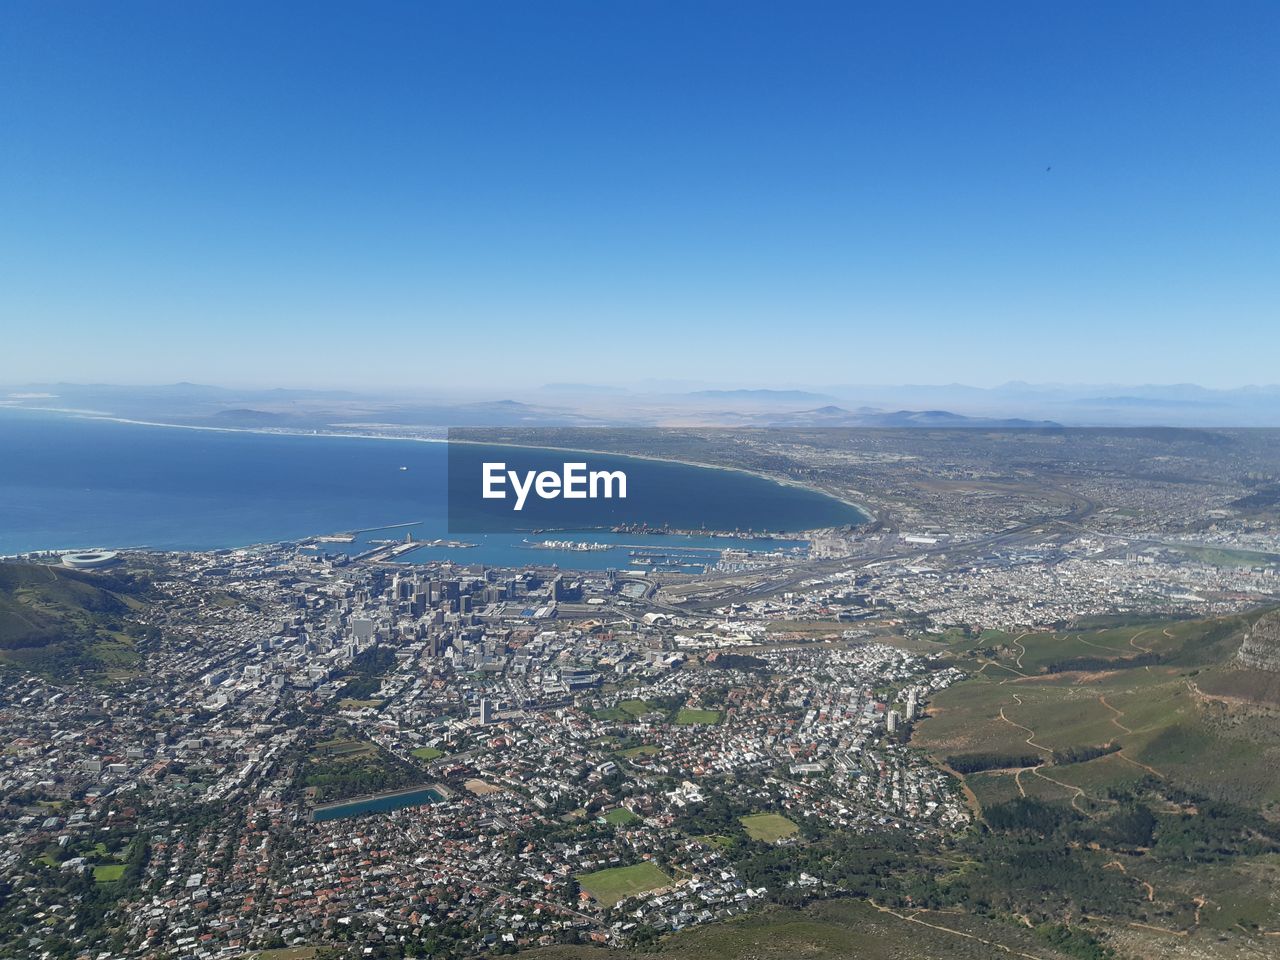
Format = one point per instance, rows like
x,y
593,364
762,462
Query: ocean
x,y
74,482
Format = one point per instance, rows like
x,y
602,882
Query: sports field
x,y
618,883
688,717
620,817
769,827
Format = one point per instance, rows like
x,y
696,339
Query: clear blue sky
x,y
755,194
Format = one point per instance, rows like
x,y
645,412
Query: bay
x,y
74,482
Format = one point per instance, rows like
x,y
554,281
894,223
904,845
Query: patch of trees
x,y
1073,942
717,816
670,705
1216,830
1103,663
1028,814
977,762
346,776
1133,826
366,672
1083,754
1044,878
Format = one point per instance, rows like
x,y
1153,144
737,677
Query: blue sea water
x,y
72,482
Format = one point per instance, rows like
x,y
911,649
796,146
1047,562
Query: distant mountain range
x,y
658,403
832,416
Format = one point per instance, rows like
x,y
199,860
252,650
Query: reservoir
x,y
378,803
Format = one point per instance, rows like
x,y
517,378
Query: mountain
x,y
1261,647
245,417
60,621
833,416
656,402
1124,405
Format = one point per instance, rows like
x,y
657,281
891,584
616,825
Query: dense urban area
x,y
947,714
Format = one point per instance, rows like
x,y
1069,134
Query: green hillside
x,y
69,622
1102,709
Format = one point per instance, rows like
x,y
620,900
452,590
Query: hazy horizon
x,y
657,402
649,386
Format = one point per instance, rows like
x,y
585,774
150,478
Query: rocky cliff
x,y
1261,647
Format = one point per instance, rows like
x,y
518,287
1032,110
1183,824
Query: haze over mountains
x,y
1013,404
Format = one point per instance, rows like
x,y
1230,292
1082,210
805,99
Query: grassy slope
x,y
1192,721
54,619
832,930
1166,724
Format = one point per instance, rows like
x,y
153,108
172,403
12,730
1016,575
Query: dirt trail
x,y
1121,754
1118,714
1030,741
970,797
1023,650
1151,891
1069,786
1098,646
1151,770
958,933
1201,903
1018,674
1133,641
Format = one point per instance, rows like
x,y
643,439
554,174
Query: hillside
x,y
57,621
1261,647
1145,743
1169,696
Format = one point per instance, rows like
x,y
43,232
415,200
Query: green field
x,y
108,872
117,652
644,750
620,817
769,827
427,753
618,883
687,717
625,711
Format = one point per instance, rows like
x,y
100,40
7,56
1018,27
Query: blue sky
x,y
436,194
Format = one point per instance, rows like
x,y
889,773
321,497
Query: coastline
x,y
869,515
